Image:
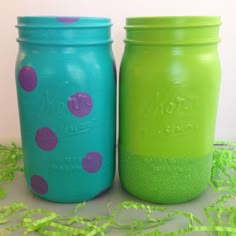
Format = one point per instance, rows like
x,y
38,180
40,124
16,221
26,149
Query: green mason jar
x,y
169,87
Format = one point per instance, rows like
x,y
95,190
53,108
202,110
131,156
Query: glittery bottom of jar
x,y
164,180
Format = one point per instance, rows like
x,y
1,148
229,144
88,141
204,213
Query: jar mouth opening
x,y
62,16
147,22
62,22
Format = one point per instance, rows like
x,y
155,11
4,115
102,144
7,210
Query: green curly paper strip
x,y
9,164
224,167
49,223
221,215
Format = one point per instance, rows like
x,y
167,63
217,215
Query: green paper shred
x,y
220,215
45,222
223,176
9,165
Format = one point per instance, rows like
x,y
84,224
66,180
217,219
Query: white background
x,y
118,10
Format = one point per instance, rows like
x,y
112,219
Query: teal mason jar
x,y
66,88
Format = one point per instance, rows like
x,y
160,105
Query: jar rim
x,y
64,30
171,21
62,22
173,30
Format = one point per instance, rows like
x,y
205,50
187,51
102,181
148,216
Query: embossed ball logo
x,y
80,104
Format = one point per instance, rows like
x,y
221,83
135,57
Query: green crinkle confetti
x,y
221,215
50,223
9,164
223,176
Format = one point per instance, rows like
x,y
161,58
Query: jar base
x,y
62,192
164,180
73,200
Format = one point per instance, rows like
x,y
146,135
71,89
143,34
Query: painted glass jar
x,y
66,90
169,86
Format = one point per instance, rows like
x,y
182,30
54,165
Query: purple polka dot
x,y
67,20
27,78
39,184
80,104
46,139
102,192
92,162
